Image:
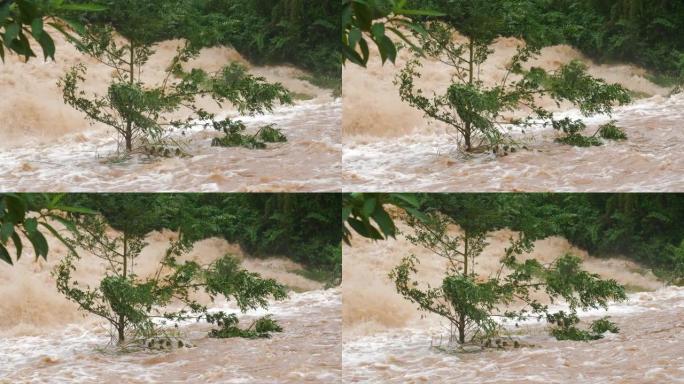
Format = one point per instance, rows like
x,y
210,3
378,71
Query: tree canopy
x,y
470,301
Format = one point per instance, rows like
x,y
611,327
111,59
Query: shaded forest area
x,y
640,226
302,227
646,33
301,32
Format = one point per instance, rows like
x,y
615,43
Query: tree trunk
x,y
461,329
465,253
128,135
121,326
461,315
471,68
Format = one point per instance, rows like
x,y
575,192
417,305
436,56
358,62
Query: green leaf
x,y
378,31
4,11
407,198
354,37
37,28
48,46
384,221
364,15
40,245
75,25
17,244
4,255
368,206
365,229
346,211
68,224
365,52
11,33
28,10
16,208
55,199
56,234
6,231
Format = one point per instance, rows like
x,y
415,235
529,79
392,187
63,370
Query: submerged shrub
x,y
578,140
565,327
611,131
235,136
228,323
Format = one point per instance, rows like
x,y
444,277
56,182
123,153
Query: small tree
x,y
130,302
138,111
470,302
475,109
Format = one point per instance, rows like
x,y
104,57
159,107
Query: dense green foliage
x,y
303,227
24,215
366,214
23,20
130,302
647,33
643,32
476,110
302,32
644,227
471,302
376,20
260,328
138,111
235,136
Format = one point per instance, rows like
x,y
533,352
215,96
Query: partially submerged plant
x,y
475,109
611,131
565,327
142,114
471,303
138,305
260,328
572,133
235,136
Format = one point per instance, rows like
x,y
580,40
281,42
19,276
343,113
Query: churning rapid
x,y
387,341
43,338
390,146
47,145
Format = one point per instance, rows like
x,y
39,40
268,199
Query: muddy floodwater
x,y
46,145
45,339
390,146
307,351
648,349
309,161
387,340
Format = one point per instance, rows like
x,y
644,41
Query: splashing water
x,y
386,340
648,349
44,338
308,350
48,146
389,146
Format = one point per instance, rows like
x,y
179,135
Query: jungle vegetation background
x,y
643,32
644,227
303,227
304,33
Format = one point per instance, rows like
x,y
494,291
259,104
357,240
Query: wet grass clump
x,y
259,329
610,131
235,136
